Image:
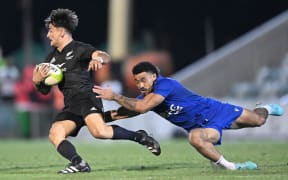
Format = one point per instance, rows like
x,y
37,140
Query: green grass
x,y
124,160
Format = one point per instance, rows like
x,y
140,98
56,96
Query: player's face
x,y
55,35
144,82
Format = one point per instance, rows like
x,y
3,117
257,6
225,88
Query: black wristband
x,y
43,88
122,111
107,116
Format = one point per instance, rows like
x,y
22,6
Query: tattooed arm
x,y
138,105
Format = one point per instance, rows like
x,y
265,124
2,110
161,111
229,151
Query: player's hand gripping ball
x,y
55,74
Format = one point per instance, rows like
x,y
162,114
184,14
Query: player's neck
x,y
66,40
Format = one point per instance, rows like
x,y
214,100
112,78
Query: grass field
x,y
125,160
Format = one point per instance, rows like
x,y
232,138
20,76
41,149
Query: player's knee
x,y
52,134
100,133
55,133
53,138
195,140
95,133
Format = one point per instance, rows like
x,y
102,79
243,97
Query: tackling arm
x,y
139,105
98,58
150,101
101,56
120,113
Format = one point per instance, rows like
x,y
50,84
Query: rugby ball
x,y
55,74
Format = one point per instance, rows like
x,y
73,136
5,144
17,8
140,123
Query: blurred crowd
x,y
21,103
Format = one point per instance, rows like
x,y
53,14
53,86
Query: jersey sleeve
x,y
163,87
87,51
42,88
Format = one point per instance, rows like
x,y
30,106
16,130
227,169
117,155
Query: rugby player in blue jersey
x,y
203,118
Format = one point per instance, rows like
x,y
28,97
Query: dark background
x,y
176,26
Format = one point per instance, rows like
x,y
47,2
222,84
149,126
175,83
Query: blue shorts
x,y
219,116
223,118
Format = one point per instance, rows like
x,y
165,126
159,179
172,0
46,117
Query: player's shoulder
x,y
82,47
82,44
165,80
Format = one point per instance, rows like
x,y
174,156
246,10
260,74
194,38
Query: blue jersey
x,y
189,110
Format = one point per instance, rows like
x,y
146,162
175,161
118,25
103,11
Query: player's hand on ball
x,y
40,73
44,70
49,74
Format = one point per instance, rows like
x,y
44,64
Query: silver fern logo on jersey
x,y
69,55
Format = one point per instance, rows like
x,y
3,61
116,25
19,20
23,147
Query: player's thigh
x,y
97,127
62,128
202,135
248,118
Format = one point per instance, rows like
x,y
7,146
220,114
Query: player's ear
x,y
62,32
154,76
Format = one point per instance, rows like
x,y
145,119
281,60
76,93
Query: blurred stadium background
x,y
235,51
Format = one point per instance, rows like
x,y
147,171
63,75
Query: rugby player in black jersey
x,y
77,61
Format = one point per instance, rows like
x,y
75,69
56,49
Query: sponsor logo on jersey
x,y
60,65
62,68
93,109
174,109
236,109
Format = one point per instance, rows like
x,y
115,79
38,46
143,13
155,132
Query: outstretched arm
x,y
138,105
120,113
98,58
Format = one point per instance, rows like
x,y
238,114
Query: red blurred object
x,y
58,99
102,74
25,92
161,59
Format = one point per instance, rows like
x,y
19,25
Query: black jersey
x,y
73,60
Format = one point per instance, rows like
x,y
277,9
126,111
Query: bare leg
x,y
249,118
203,141
97,127
57,135
261,112
59,131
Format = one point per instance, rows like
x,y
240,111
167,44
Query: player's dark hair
x,y
62,18
145,67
